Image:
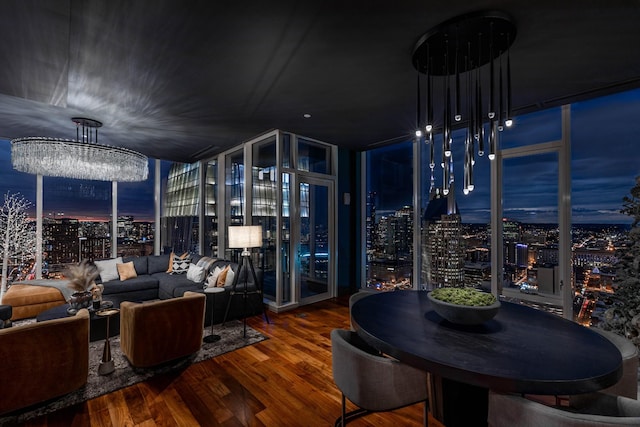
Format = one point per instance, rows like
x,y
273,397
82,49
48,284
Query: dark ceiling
x,y
183,80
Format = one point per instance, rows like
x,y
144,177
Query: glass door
x,y
315,243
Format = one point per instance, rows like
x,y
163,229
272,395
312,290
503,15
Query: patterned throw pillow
x,y
172,257
205,262
180,265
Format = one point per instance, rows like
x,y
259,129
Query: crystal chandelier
x,y
82,158
457,53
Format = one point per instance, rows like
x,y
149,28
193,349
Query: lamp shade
x,y
245,236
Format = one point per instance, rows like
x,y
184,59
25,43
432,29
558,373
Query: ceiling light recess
x,y
468,55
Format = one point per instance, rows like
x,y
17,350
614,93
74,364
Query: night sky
x,y
605,162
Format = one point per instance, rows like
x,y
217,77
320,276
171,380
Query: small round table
x,y
212,290
107,365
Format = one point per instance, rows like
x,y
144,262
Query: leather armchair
x,y
43,360
153,333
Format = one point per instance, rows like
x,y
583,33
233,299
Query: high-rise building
x,y
60,240
125,226
443,247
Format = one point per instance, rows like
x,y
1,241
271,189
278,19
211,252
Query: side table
x,y
107,366
213,291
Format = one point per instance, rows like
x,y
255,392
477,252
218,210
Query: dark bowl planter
x,y
464,314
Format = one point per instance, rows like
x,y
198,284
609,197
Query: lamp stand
x,y
245,263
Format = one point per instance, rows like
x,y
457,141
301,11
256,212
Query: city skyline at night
x,y
603,167
603,170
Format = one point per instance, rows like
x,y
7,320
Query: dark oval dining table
x,y
520,350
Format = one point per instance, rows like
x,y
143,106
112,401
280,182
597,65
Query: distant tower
x,y
371,220
442,251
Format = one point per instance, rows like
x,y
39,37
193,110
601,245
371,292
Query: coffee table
x,y
97,324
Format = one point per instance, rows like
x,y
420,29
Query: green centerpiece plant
x,y
463,296
464,306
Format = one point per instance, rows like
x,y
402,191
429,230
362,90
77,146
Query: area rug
x,y
124,375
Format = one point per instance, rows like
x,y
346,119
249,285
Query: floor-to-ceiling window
x,y
180,208
136,222
264,209
234,195
389,220
604,165
603,168
76,221
290,192
210,209
22,186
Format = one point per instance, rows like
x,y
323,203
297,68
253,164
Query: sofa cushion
x,y
136,284
139,263
126,270
168,282
157,263
108,269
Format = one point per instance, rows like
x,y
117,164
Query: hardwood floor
x,y
285,380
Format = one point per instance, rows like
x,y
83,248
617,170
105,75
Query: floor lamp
x,y
245,237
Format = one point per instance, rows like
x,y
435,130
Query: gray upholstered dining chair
x,y
593,410
373,382
628,384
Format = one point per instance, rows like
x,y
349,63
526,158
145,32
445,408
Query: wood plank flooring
x,y
285,380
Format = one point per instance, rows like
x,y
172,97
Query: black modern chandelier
x,y
469,55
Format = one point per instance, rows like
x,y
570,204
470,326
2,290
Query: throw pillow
x,y
108,269
212,280
195,273
222,276
205,262
126,270
173,257
180,265
228,281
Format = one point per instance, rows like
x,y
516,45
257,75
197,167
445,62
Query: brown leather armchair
x,y
43,360
153,333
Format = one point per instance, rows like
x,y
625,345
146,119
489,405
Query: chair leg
x,y
346,417
426,413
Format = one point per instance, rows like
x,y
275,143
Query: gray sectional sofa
x,y
153,282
